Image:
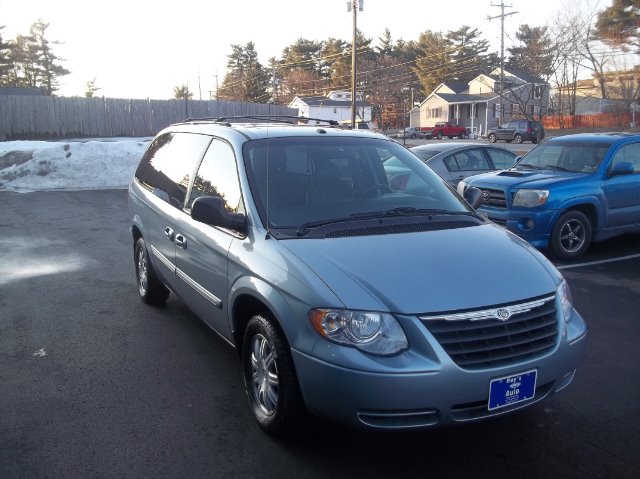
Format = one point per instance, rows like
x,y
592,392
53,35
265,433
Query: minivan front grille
x,y
493,198
481,339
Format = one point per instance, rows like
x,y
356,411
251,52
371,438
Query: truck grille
x,y
493,198
479,339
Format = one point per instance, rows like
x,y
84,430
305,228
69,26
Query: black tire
x,y
413,136
439,135
150,288
450,137
534,140
517,138
492,137
571,236
463,136
270,378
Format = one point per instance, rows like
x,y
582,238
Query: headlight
x,y
461,187
566,300
371,332
530,198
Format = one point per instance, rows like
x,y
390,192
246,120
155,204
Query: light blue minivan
x,y
368,294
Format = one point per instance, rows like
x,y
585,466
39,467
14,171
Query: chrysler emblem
x,y
485,196
503,314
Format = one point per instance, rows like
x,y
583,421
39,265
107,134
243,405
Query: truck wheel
x,y
571,236
270,378
439,135
517,138
463,136
492,138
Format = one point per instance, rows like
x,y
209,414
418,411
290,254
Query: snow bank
x,y
41,165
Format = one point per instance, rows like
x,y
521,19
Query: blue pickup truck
x,y
568,192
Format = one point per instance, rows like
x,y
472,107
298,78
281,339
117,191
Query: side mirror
x,y
473,196
211,211
622,168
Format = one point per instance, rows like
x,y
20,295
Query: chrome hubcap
x,y
264,374
142,272
572,236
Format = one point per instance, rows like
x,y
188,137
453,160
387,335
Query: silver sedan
x,y
456,161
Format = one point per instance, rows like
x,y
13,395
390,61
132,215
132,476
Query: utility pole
x,y
354,6
501,17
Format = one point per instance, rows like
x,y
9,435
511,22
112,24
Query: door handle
x,y
181,241
169,233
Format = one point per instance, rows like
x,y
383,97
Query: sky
x,y
144,48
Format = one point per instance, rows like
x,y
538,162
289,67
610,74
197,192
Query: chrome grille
x,y
480,339
493,198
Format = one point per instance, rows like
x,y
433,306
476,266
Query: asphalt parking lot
x,y
95,384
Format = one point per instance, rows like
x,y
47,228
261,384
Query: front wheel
x,y
463,136
270,378
413,136
492,138
150,288
571,236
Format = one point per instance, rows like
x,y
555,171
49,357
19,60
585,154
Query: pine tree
x,y
534,54
181,92
246,79
619,24
5,62
45,62
91,88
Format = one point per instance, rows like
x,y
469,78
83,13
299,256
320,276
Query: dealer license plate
x,y
512,389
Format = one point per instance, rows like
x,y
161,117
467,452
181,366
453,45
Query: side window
x,y
450,163
502,159
168,163
472,160
628,153
218,176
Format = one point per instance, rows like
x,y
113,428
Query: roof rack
x,y
290,119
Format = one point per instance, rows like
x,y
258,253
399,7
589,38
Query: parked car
x,y
412,132
377,307
567,192
456,161
517,131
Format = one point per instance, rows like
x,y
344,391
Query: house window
x,y
537,91
496,110
434,112
335,110
512,109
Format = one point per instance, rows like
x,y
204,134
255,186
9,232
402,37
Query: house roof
x,y
457,86
324,101
523,75
465,97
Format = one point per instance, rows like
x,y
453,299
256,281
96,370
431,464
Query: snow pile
x,y
42,165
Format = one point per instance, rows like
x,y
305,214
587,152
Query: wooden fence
x,y
601,120
44,117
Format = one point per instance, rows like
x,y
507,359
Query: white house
x,y
335,106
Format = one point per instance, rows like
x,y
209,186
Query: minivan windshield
x,y
572,156
297,181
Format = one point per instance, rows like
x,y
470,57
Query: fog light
x,y
526,224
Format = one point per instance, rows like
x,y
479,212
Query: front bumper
x,y
531,225
441,395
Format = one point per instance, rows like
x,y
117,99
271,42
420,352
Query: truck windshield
x,y
298,180
572,156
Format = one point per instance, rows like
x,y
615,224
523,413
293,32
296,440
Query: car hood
x,y
521,178
431,271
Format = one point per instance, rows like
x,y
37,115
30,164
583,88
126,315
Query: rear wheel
x,y
463,135
517,138
571,236
270,378
492,137
150,288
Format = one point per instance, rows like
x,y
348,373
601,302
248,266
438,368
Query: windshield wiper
x,y
529,166
558,168
394,212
